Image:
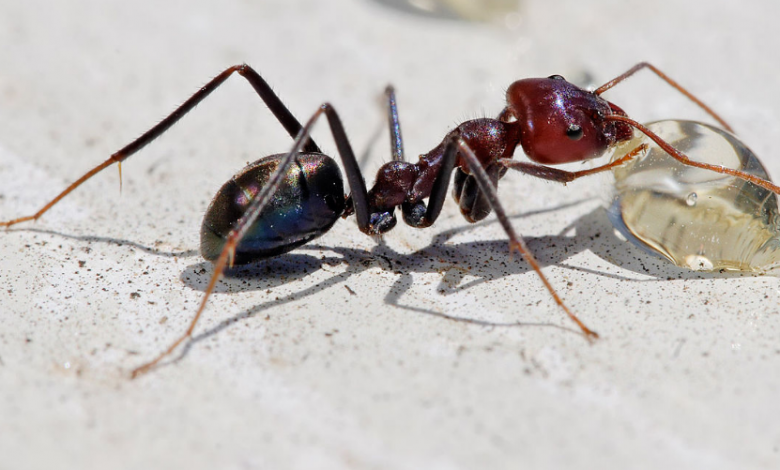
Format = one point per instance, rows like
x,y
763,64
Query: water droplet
x,y
698,219
698,263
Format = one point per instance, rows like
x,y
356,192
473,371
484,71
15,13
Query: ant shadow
x,y
455,261
110,241
595,233
479,261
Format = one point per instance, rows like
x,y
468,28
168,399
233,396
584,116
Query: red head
x,y
562,123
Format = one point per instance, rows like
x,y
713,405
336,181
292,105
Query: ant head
x,y
562,123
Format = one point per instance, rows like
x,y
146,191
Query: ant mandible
x,y
283,201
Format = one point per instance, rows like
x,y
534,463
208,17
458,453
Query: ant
x,y
283,201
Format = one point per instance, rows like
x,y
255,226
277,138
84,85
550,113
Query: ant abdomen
x,y
309,200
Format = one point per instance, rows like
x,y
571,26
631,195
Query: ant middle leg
x,y
396,140
418,214
279,110
474,205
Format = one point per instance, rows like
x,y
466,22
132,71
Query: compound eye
x,y
574,132
556,77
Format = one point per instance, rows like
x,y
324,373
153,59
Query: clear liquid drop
x,y
698,219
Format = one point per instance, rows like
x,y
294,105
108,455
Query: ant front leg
x,y
473,203
280,111
457,146
563,176
262,200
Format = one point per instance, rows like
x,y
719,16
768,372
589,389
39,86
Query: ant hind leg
x,y
261,201
280,111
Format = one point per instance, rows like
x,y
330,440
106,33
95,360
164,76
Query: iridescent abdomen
x,y
308,202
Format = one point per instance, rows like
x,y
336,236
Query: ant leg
x,y
262,199
262,88
387,220
563,176
418,214
465,190
457,146
682,158
668,80
516,242
396,141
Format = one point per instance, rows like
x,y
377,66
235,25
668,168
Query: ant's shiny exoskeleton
x,y
286,200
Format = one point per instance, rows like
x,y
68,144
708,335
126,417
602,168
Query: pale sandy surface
x,y
449,354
